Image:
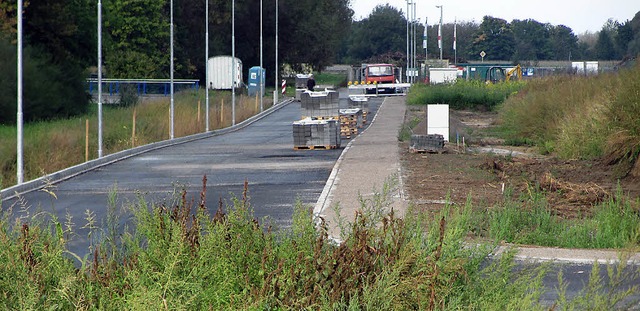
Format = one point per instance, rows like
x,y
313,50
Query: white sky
x,y
579,15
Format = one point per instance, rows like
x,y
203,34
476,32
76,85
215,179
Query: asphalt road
x,y
261,153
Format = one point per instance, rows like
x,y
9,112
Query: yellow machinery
x,y
497,74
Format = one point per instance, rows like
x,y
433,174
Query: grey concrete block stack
x,y
312,134
320,105
361,102
427,143
320,126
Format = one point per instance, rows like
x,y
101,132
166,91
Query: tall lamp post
x,y
440,31
206,66
99,79
20,174
233,62
171,134
408,17
275,94
261,71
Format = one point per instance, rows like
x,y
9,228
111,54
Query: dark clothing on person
x,y
311,83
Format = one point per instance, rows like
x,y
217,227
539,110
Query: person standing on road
x,y
311,83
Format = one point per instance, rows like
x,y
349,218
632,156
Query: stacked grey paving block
x,y
316,133
361,102
324,104
427,143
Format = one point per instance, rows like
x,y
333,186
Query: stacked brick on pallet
x,y
320,127
361,102
350,122
427,143
320,105
316,134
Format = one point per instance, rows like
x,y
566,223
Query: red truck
x,y
379,74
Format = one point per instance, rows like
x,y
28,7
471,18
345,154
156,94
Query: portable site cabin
x,y
221,70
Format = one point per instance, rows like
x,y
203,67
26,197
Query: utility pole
x,y
261,70
233,62
206,59
99,79
408,65
440,31
171,134
19,163
276,74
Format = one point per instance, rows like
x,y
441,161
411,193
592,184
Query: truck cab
x,y
379,73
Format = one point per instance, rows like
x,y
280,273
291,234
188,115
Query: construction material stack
x,y
350,122
315,134
319,127
431,143
322,105
361,102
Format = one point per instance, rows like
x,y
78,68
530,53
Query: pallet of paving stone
x,y
432,143
311,133
320,104
327,147
351,117
359,101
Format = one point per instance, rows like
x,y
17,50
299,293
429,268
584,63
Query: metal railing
x,y
143,86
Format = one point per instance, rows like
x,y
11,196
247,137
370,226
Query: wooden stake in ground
x,y
198,118
133,129
256,109
222,113
86,141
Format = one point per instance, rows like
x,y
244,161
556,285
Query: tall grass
x,y
55,145
188,256
463,94
579,117
613,224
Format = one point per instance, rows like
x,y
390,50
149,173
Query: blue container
x,y
255,75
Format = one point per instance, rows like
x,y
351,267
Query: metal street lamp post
x,y
440,31
408,65
171,134
261,71
233,62
275,94
20,174
99,79
206,59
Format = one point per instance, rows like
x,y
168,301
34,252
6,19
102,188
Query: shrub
x,y
50,90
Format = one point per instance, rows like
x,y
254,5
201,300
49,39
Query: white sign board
x,y
438,120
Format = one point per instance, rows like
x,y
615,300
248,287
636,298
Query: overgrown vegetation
x,y
579,117
185,256
55,145
463,94
613,224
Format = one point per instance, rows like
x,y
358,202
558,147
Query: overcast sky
x,y
579,15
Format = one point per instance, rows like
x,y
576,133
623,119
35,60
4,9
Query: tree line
x,y
382,37
60,39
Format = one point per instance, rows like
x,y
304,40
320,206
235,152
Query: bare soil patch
x,y
572,187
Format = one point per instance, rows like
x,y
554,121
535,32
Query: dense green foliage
x,y
184,256
516,41
473,94
579,117
50,89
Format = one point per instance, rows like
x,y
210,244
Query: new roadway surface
x,y
261,153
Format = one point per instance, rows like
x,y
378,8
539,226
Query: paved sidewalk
x,y
368,163
373,159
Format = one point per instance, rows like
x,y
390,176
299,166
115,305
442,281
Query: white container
x,y
443,75
220,73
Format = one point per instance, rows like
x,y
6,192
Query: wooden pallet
x,y
431,150
321,147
